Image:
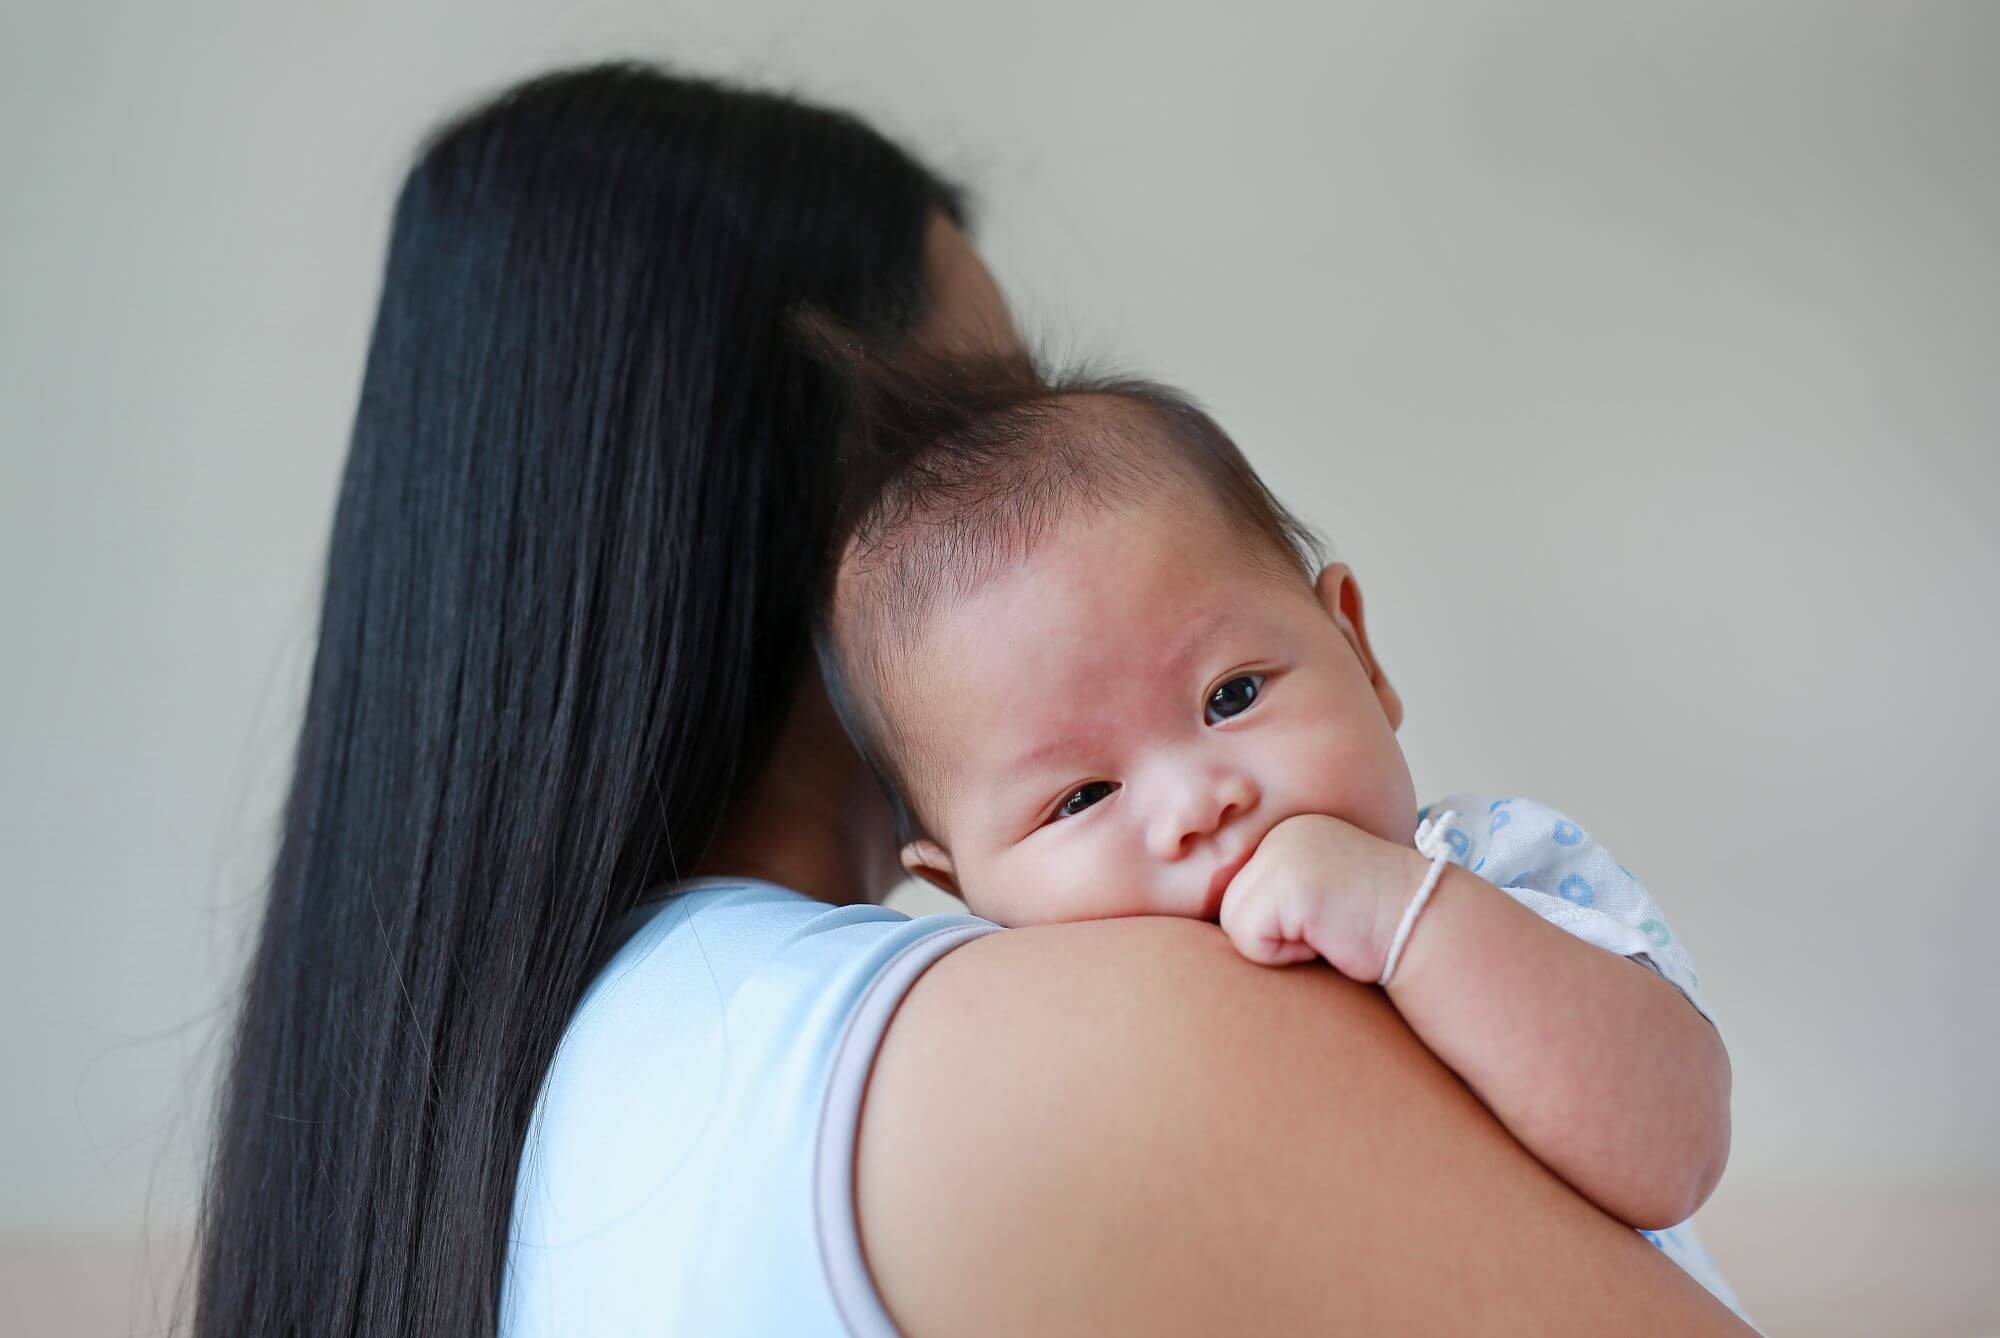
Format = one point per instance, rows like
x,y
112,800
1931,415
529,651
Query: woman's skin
x,y
1122,1126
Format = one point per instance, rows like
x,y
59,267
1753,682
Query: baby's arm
x,y
1598,1066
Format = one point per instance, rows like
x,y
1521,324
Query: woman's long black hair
x,y
584,519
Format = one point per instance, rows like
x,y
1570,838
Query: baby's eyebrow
x,y
1193,637
1038,755
1015,791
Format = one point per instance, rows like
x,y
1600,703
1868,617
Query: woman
x,y
562,668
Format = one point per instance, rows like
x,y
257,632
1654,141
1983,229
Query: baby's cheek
x,y
1357,775
1010,889
1058,883
1097,883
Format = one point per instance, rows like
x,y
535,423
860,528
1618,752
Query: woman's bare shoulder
x,y
1122,1126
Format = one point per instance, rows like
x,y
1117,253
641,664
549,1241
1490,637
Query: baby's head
x,y
1087,651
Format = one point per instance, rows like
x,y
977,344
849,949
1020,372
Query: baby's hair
x,y
957,465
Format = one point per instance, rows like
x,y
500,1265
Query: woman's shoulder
x,y
1206,1145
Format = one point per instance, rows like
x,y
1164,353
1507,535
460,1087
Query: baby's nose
x,y
1198,811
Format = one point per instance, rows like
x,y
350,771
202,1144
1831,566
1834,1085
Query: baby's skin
x,y
1169,726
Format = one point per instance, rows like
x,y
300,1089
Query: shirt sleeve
x,y
915,949
1552,866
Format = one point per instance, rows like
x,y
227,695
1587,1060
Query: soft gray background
x,y
1640,359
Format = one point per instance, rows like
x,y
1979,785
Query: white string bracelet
x,y
1430,841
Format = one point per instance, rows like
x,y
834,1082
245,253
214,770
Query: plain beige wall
x,y
1641,360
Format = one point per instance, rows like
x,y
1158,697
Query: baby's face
x,y
1111,727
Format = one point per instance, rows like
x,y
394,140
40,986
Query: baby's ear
x,y
1340,595
931,862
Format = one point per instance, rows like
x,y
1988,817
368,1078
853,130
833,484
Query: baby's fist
x,y
1320,887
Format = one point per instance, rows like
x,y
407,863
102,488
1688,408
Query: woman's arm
x,y
1123,1126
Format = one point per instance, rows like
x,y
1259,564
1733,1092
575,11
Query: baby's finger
x,y
1271,950
1258,933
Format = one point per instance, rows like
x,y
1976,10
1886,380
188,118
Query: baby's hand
x,y
1317,886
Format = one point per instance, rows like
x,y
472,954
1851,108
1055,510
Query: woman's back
x,y
690,1166
580,532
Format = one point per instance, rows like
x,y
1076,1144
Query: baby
x,y
1102,672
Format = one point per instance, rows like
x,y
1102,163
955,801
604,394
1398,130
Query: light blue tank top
x,y
690,1165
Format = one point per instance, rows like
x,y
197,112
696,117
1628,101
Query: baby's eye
x,y
1233,697
1083,797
